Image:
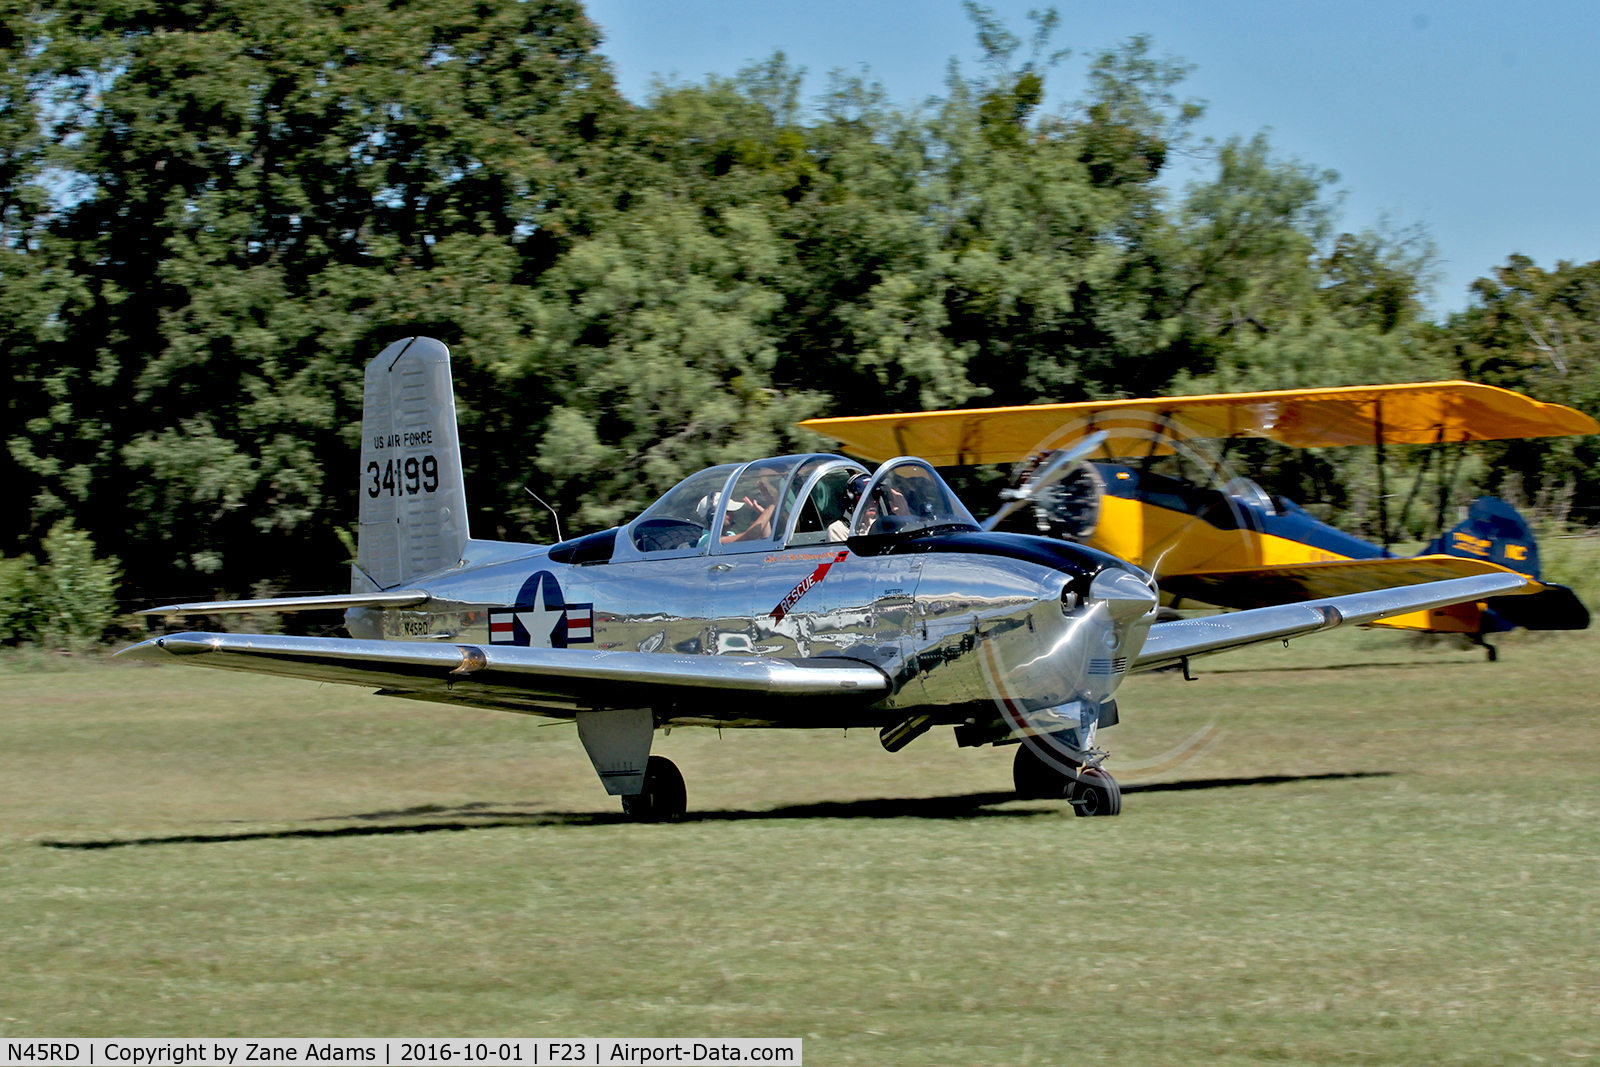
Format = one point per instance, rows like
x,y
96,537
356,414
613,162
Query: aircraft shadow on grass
x,y
1201,672
483,816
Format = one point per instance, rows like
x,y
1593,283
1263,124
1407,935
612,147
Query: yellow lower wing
x,y
1256,587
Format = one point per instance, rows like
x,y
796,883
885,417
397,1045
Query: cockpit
x,y
792,500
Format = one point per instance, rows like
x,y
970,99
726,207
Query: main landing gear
x,y
618,743
664,799
1092,792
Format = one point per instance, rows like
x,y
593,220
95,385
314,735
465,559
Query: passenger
x,y
750,518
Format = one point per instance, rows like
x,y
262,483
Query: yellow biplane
x,y
1233,545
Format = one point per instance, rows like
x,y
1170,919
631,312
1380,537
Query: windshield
x,y
682,518
1248,492
904,496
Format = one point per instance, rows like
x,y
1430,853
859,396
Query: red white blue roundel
x,y
541,618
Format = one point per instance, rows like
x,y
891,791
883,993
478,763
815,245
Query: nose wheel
x,y
664,799
1095,793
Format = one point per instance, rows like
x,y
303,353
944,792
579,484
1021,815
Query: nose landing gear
x,y
1095,793
1091,792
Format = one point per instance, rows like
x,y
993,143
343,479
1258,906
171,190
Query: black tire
x,y
1095,793
665,798
1035,779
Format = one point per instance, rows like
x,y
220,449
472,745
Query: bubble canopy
x,y
752,506
906,495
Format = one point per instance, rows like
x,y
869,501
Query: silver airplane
x,y
798,591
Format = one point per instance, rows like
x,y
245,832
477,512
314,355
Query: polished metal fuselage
x,y
963,636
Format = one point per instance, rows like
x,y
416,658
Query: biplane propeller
x,y
1234,545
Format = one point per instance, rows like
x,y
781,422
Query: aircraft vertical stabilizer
x,y
413,502
1495,531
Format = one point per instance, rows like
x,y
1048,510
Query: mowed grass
x,y
1412,877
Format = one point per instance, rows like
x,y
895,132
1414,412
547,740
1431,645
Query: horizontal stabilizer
x,y
522,679
1555,607
1258,587
397,598
1170,643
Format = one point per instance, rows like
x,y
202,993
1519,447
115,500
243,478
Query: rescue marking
x,y
805,586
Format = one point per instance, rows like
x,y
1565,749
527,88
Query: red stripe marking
x,y
805,586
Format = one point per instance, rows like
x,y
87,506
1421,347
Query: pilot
x,y
839,528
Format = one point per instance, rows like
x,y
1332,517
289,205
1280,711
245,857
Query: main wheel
x,y
1095,793
664,798
1036,779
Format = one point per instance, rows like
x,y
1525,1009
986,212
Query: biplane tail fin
x,y
1493,531
1496,532
413,500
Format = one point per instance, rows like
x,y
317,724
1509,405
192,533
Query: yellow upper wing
x,y
1416,413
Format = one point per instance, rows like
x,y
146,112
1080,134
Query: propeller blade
x,y
1060,465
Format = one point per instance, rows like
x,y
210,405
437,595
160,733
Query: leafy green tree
x,y
275,190
1538,331
1268,298
210,218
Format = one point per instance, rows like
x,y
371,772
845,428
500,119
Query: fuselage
x,y
1172,528
968,626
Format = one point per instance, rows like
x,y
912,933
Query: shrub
x,y
75,590
19,600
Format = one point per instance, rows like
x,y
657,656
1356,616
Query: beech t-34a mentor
x,y
793,592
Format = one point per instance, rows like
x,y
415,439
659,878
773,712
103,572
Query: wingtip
x,y
158,649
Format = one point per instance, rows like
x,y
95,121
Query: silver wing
x,y
716,689
725,690
395,598
1170,643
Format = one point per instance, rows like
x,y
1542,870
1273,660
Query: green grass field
x,y
185,852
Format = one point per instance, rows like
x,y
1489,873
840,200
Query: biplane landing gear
x,y
1095,793
664,799
1490,653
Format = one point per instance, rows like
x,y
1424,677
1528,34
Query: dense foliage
x,y
211,216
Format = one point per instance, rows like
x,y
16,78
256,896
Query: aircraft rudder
x,y
1495,531
413,513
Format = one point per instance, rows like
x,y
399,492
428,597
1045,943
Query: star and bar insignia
x,y
541,618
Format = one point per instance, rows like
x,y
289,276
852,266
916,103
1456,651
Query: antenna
x,y
548,508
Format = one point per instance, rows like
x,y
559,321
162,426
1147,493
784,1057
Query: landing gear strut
x,y
664,798
1092,792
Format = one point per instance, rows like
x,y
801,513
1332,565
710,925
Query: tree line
x,y
212,214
